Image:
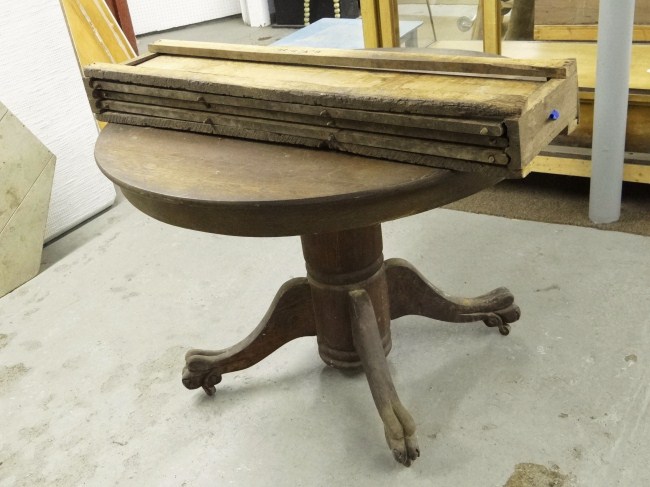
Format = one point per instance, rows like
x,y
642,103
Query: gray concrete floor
x,y
91,352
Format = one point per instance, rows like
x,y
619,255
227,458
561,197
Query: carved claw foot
x,y
399,427
411,294
502,318
201,370
290,316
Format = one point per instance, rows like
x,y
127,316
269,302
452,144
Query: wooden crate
x,y
464,113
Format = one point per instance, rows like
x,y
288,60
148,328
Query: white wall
x,y
156,15
40,82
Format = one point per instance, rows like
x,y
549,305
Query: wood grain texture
x,y
357,59
236,187
96,35
404,156
107,89
583,52
581,33
582,12
450,96
492,20
254,99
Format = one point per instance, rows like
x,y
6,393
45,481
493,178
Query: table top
x,y
240,187
337,33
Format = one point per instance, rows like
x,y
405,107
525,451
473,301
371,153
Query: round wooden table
x,y
336,203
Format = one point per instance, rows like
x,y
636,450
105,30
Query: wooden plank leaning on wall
x,y
96,35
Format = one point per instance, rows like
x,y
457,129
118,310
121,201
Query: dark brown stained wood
x,y
236,187
286,138
430,161
322,119
424,147
208,129
336,203
446,96
330,136
335,261
462,126
382,60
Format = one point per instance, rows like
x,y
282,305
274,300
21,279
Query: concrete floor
x,y
91,353
92,350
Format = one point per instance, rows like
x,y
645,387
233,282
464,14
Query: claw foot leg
x,y
412,294
399,426
290,316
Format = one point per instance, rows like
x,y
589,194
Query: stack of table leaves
x,y
457,112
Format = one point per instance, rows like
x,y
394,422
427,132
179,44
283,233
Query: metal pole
x,y
615,26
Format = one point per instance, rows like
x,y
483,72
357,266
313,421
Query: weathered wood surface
x,y
380,60
431,118
346,144
412,93
99,89
330,136
585,55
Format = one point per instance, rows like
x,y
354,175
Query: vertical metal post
x,y
615,28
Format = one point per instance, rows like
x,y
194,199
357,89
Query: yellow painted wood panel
x,y
95,34
569,33
634,173
491,26
584,52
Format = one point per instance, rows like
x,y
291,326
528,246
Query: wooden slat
x,y
320,119
641,33
446,96
568,166
396,61
328,135
207,128
407,157
482,128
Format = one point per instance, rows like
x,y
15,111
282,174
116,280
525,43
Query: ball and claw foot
x,y
199,372
502,318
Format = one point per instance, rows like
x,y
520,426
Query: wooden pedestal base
x,y
347,301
